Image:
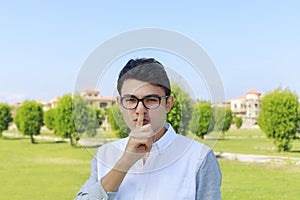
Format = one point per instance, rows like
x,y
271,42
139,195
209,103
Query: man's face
x,y
155,117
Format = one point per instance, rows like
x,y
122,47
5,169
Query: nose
x,y
140,108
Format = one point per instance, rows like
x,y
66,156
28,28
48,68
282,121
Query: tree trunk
x,y
32,139
71,141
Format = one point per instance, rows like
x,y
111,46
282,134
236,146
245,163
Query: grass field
x,y
250,142
46,170
50,170
249,181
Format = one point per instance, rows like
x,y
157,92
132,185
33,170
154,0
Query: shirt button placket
x,y
140,189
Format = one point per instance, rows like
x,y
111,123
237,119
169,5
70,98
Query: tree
x,y
238,122
64,121
49,119
81,113
5,117
175,114
279,117
222,117
100,114
117,122
94,120
299,115
88,118
181,112
29,119
201,119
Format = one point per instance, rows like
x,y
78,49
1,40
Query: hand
x,y
139,143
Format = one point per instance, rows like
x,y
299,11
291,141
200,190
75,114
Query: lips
x,y
145,121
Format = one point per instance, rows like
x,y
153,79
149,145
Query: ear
x,y
118,101
170,102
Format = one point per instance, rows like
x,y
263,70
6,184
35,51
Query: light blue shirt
x,y
177,168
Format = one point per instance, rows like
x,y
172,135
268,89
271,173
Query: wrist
x,y
124,164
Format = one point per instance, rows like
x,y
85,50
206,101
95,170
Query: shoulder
x,y
120,144
197,149
112,151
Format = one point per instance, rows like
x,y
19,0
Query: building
x,y
221,104
53,102
247,107
46,105
91,96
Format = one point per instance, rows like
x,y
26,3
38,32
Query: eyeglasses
x,y
150,102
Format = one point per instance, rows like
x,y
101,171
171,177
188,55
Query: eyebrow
x,y
150,95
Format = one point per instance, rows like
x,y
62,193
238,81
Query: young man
x,y
153,162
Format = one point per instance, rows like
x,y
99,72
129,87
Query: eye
x,y
152,99
129,99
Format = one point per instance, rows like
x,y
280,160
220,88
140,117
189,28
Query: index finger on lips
x,y
140,120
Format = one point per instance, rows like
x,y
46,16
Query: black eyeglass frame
x,y
142,100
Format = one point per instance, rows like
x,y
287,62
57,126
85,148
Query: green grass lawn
x,y
46,170
245,133
50,133
49,170
259,181
249,142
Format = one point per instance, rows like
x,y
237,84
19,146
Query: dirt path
x,y
259,158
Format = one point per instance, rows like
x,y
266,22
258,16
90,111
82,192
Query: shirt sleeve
x,y
209,179
92,188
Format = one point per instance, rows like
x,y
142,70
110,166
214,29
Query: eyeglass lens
x,y
150,102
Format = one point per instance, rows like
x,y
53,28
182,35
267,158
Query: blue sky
x,y
43,44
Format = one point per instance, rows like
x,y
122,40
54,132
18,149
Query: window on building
x,y
103,105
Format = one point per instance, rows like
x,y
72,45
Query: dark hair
x,y
147,70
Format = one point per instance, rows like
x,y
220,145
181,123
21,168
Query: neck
x,y
160,133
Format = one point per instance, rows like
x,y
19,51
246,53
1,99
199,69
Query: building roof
x,y
253,91
90,91
240,97
96,98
